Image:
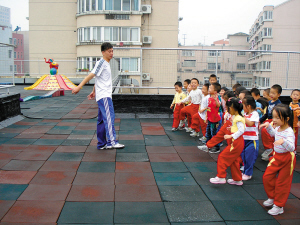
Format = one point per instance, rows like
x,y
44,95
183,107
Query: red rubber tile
x,y
33,155
12,130
29,135
159,149
89,193
93,148
295,189
289,222
23,165
94,179
195,157
137,193
82,124
45,193
131,137
117,128
67,124
4,207
72,116
94,142
90,127
71,149
12,148
54,136
104,156
42,148
67,166
34,212
38,129
172,157
53,178
117,120
133,167
135,178
186,149
16,177
51,121
153,130
151,125
8,155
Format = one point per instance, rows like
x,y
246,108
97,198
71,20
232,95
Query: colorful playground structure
x,y
54,93
53,81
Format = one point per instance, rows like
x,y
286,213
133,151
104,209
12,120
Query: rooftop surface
x,y
51,172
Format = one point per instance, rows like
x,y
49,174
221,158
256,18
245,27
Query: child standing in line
x,y
199,119
251,143
195,96
231,155
256,95
186,83
267,140
278,176
266,94
295,106
179,96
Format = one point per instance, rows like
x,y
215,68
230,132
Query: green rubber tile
x,y
201,166
23,165
149,120
83,132
130,132
3,140
241,210
257,191
20,141
132,142
174,179
14,126
178,135
66,156
191,212
87,212
202,178
8,135
140,212
296,177
48,142
260,164
46,124
52,131
132,157
157,140
64,127
185,142
225,192
97,167
205,223
182,193
263,222
76,142
11,191
168,167
132,148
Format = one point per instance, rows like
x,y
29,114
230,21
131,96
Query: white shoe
x,y
104,147
269,202
181,124
189,129
116,146
203,148
174,129
203,139
194,134
233,182
246,177
275,210
266,153
217,180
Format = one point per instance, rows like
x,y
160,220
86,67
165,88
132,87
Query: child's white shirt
x,y
287,135
195,96
204,104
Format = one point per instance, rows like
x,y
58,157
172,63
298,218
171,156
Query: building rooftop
x,y
51,172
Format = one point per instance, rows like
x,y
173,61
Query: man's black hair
x,y
277,87
188,81
178,83
105,46
195,79
255,91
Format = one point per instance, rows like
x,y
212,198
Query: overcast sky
x,y
208,20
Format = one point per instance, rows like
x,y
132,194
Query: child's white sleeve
x,y
186,99
289,141
271,130
241,130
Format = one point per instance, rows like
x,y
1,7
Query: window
x,y
15,55
100,5
134,5
86,34
21,55
15,41
10,41
266,47
268,15
245,82
129,65
241,53
241,66
188,53
212,66
264,82
116,17
18,55
213,53
267,32
87,5
9,53
189,63
15,68
93,5
266,65
260,20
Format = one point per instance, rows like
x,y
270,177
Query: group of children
x,y
236,116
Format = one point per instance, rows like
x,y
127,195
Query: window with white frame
x,y
264,82
212,66
214,53
11,68
189,63
117,17
116,5
266,48
241,66
15,68
129,64
9,53
245,82
15,55
188,53
268,15
241,53
267,32
266,65
260,20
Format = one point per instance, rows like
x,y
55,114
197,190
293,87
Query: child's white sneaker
x,y
275,210
268,202
233,182
217,180
181,124
203,139
203,148
174,129
246,177
189,129
194,134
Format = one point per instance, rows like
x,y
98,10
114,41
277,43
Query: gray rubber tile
x,y
83,132
185,142
201,166
162,140
11,191
178,135
132,157
204,223
132,148
202,178
66,156
20,141
191,212
140,212
59,131
262,222
168,167
8,135
132,142
76,142
176,179
182,193
97,167
48,142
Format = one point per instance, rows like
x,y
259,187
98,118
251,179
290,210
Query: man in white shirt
x,y
106,133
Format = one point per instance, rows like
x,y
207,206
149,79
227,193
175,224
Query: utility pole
x,y
184,39
204,39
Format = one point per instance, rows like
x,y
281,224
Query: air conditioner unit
x,y
147,39
146,76
146,9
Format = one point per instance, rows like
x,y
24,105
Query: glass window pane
x,y
134,34
117,5
135,5
126,5
134,64
115,34
108,4
125,34
98,34
100,5
95,33
87,4
125,64
107,34
93,5
82,5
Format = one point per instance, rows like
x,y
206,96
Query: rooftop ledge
x,y
117,43
104,12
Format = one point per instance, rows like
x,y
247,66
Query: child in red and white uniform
x,y
251,143
195,96
278,176
231,155
199,119
295,106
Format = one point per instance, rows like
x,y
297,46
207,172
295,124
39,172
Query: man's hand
x,y
266,124
91,96
75,90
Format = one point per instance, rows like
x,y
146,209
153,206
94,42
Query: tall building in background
x,y
276,29
19,66
6,43
72,34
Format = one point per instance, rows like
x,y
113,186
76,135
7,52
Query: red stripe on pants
x,y
197,123
267,140
188,112
225,129
231,156
278,188
296,130
176,115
